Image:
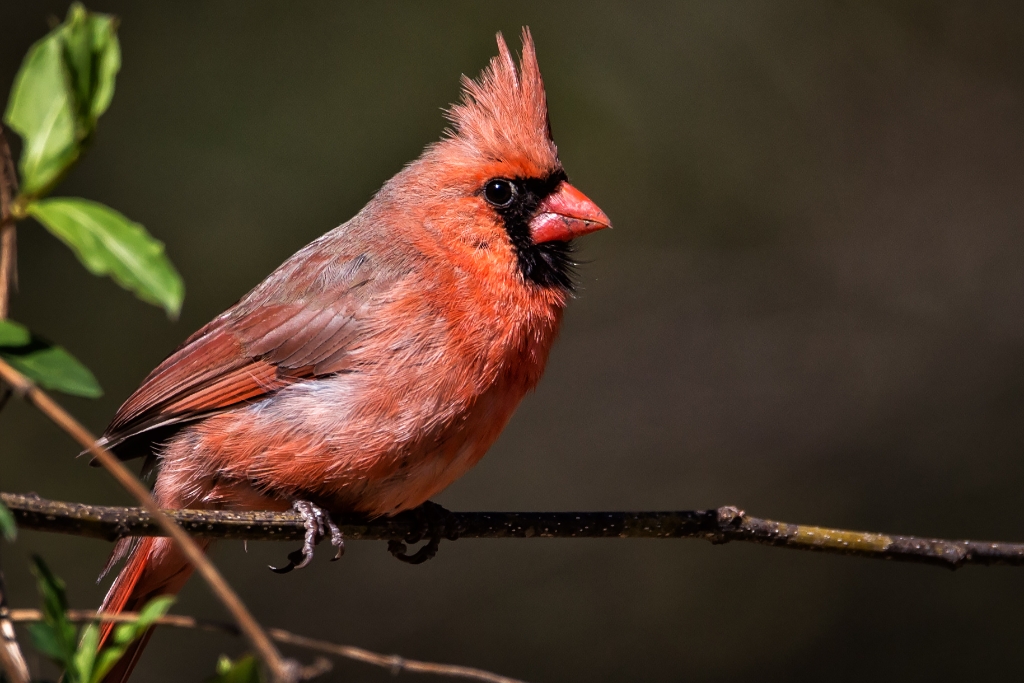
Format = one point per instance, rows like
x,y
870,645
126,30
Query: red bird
x,y
380,362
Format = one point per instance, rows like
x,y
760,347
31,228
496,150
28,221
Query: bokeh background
x,y
810,307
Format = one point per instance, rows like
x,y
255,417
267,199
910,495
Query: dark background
x,y
810,307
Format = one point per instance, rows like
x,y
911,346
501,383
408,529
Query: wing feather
x,y
253,350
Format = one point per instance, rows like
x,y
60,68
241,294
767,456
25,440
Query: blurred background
x,y
810,307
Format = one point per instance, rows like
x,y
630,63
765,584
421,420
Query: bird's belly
x,y
325,442
415,473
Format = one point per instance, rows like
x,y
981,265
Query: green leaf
x,y
93,58
105,661
42,112
65,83
13,334
154,609
7,525
55,635
51,588
108,243
45,364
245,670
55,369
124,635
49,366
85,657
45,639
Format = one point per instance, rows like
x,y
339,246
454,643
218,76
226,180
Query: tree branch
x,y
718,526
393,663
281,671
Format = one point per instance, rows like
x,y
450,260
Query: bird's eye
x,y
499,192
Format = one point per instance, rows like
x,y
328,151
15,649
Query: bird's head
x,y
499,175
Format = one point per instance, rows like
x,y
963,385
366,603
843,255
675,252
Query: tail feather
x,y
155,567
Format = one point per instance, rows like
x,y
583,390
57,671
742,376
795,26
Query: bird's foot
x,y
431,521
318,525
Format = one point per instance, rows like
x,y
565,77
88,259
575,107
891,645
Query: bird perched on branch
x,y
380,362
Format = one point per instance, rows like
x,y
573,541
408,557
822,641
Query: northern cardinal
x,y
380,362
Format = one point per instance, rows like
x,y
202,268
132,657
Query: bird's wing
x,y
278,335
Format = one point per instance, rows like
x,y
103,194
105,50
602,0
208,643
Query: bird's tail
x,y
155,567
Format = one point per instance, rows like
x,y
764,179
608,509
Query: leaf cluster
x,y
65,83
78,652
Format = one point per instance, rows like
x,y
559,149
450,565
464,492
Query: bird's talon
x,y
434,522
296,560
425,552
337,540
317,523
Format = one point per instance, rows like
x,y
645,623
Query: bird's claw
x,y
295,559
435,522
318,524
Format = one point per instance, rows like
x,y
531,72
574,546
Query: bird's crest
x,y
505,112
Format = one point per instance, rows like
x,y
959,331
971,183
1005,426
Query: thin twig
x,y
393,663
718,526
281,671
8,236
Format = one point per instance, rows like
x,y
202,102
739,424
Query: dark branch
x,y
718,526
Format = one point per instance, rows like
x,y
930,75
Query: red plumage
x,y
380,362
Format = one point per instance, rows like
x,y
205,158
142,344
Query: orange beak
x,y
564,214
